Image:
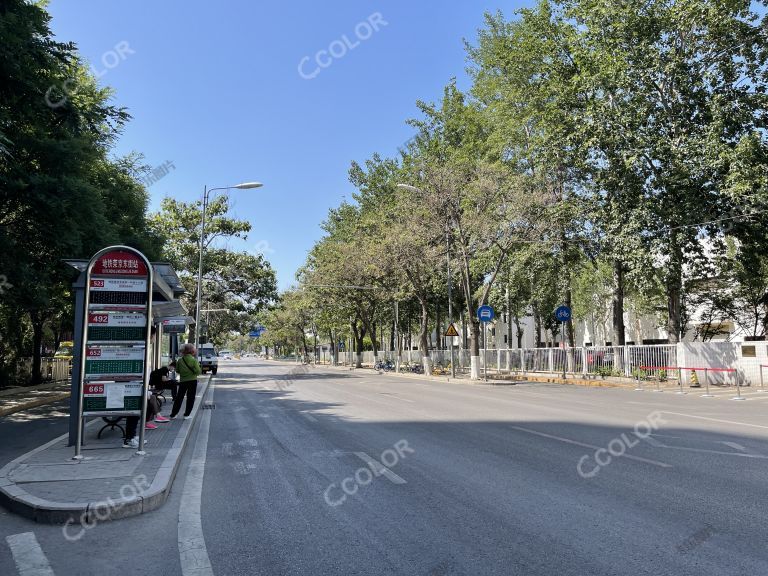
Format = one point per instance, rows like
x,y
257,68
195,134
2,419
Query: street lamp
x,y
448,269
206,193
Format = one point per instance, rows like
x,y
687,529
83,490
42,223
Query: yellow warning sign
x,y
451,331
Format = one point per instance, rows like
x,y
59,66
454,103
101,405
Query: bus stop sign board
x,y
117,331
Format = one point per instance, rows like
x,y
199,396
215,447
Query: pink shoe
x,y
151,426
161,419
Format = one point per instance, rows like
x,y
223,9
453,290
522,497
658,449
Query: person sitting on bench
x,y
153,411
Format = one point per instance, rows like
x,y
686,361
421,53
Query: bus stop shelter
x,y
170,320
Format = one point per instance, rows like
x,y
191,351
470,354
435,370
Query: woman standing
x,y
188,370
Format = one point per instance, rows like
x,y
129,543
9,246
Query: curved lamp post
x,y
206,193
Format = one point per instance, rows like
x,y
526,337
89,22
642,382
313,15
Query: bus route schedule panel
x,y
117,331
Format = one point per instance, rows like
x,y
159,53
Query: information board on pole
x,y
114,367
175,325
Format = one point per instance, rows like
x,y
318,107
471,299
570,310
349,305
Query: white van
x,y
208,358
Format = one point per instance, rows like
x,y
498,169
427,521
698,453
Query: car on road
x,y
208,358
226,354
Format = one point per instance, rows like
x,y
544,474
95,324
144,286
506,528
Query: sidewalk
x,y
25,397
495,379
111,482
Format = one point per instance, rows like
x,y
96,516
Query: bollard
x,y
658,382
706,383
738,390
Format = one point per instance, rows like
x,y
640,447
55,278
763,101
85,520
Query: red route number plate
x,y
91,389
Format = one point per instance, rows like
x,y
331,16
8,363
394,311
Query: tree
x,y
674,90
61,195
239,282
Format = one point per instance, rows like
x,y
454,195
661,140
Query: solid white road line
x,y
380,469
715,419
592,446
29,557
720,452
734,445
397,397
192,550
653,442
309,417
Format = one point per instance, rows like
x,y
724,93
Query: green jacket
x,y
188,368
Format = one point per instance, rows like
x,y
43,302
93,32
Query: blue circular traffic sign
x,y
563,314
485,313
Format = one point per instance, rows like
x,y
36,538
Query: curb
x,y
10,391
42,511
34,403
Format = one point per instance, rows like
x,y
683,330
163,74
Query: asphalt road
x,y
338,472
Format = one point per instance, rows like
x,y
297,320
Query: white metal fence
x,y
745,360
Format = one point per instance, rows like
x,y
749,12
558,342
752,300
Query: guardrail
x,y
723,359
705,369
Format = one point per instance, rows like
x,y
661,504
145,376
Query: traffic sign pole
x,y
485,352
563,315
485,314
562,339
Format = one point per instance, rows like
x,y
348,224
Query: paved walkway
x,y
25,397
494,378
110,482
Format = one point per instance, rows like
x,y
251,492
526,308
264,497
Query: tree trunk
x,y
426,360
520,332
509,319
438,331
370,328
333,359
358,335
673,285
537,327
619,329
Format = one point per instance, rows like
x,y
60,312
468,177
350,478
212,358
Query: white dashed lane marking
x,y
379,469
28,556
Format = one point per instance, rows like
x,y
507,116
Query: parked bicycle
x,y
384,365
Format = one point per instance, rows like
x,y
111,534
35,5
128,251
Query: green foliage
x,y
239,282
61,194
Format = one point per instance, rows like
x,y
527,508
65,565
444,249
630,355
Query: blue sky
x,y
218,92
